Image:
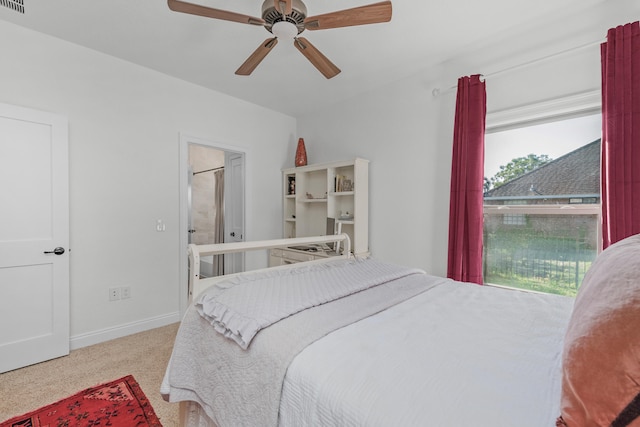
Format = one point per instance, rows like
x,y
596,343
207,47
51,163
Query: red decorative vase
x,y
301,153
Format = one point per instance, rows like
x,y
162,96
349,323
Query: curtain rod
x,y
437,92
209,170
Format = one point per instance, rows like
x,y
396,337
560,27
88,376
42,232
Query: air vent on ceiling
x,y
17,5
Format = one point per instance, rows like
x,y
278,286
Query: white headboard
x,y
197,284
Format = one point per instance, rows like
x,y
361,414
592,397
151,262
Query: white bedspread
x,y
458,355
238,387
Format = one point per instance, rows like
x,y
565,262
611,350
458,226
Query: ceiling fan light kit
x,y
286,19
284,30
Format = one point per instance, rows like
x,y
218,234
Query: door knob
x,y
57,251
233,233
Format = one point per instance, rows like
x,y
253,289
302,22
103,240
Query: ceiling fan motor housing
x,y
297,16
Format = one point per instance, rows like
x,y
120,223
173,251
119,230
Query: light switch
x,y
160,225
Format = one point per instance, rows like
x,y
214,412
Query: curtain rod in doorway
x,y
209,170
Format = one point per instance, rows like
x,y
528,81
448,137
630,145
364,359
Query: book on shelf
x,y
342,183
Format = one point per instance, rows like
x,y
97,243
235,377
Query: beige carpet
x,y
143,355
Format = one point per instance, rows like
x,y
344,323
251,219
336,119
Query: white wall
x,y
124,125
396,128
407,133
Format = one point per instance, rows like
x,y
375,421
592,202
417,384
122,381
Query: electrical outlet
x,y
125,292
114,294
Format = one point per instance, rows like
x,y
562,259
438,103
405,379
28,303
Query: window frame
x,y
564,107
561,108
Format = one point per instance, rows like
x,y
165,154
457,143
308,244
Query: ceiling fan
x,y
287,19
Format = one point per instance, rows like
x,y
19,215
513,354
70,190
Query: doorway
x,y
212,201
206,203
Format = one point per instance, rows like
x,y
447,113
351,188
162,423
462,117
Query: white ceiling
x,y
207,51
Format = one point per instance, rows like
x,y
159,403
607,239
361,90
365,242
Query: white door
x,y
234,209
34,237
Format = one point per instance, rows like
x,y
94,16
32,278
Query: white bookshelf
x,y
337,190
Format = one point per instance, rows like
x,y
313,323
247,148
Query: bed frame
x,y
197,283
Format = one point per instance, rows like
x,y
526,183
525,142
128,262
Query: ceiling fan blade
x,y
326,67
208,12
370,14
283,6
256,57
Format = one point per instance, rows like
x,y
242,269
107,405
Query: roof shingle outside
x,y
575,173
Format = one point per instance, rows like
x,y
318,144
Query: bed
x,y
365,343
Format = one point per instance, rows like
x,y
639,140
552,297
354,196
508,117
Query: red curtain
x,y
620,133
467,176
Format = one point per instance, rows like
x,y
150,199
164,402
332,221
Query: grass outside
x,y
538,285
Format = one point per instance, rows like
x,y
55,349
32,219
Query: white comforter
x,y
457,355
238,387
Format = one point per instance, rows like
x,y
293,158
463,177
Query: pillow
x,y
601,354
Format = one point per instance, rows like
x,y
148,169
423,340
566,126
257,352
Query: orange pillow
x,y
601,354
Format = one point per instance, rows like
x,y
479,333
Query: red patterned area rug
x,y
119,403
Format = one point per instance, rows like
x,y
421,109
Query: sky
x,y
553,139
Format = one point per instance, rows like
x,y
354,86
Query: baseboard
x,y
96,337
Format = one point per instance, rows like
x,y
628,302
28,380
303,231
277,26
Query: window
x,y
542,204
514,219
